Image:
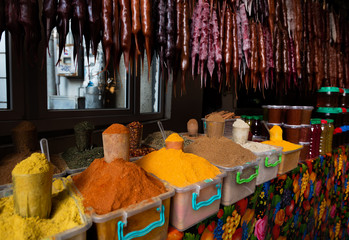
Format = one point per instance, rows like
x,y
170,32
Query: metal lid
x,y
292,126
306,125
275,106
304,143
308,108
295,107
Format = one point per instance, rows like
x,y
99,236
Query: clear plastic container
x,y
294,115
306,114
315,132
228,127
240,135
328,97
329,137
148,219
305,151
323,135
304,135
196,202
275,113
292,133
239,183
76,233
215,129
268,163
289,161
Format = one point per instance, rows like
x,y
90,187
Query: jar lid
x,y
248,117
328,89
264,106
292,126
243,116
308,108
329,110
346,90
255,117
275,106
315,121
295,107
304,143
306,125
323,121
329,120
274,124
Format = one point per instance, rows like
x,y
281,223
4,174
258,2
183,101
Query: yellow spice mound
x,y
178,168
174,137
276,140
36,163
64,215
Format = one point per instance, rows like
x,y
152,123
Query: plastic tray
x,y
77,170
148,219
76,233
239,183
193,203
228,127
268,163
289,161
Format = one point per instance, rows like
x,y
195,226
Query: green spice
x,y
76,159
156,141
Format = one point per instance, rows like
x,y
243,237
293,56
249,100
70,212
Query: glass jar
x,y
323,135
257,126
249,120
274,113
292,133
329,137
346,97
304,135
294,115
306,114
327,97
304,155
331,113
342,98
315,131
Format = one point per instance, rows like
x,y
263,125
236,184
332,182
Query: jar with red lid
x,y
342,98
304,155
327,97
292,133
294,115
306,114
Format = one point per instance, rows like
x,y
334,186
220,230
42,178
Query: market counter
x,y
310,202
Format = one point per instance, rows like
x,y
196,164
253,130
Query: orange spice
x,y
116,128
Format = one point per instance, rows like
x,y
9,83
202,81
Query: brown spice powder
x,y
221,151
215,118
110,186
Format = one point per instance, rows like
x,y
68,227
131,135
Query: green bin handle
x,y
145,231
240,181
267,164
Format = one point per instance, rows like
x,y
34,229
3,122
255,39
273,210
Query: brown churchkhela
x,y
63,17
107,26
125,33
78,23
94,8
49,12
146,8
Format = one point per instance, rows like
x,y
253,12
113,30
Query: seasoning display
x,y
136,132
223,114
294,115
306,114
275,113
76,159
315,132
292,133
65,214
323,139
83,135
240,131
139,152
156,141
177,167
305,151
329,137
304,135
215,126
174,141
276,140
258,147
116,142
110,186
32,186
8,162
221,152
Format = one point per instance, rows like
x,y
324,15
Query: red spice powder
x,y
110,186
116,128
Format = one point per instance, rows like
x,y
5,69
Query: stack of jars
x,y
321,135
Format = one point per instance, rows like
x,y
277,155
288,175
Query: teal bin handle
x,y
144,231
240,181
197,206
267,164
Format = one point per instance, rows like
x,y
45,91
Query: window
x,y
4,96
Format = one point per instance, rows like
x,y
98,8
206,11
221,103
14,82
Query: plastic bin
x,y
289,160
196,202
148,219
76,233
228,127
268,163
239,183
77,170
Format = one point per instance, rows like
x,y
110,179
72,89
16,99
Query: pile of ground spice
x,y
8,162
110,186
221,151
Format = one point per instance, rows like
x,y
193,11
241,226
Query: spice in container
x,y
293,115
116,142
275,113
240,131
276,140
215,126
329,137
304,135
304,155
306,114
258,147
83,135
174,141
292,133
136,132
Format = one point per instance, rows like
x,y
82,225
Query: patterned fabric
x,y
310,202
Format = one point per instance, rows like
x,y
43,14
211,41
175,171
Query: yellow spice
x,y
275,133
178,168
276,140
64,215
36,163
174,137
